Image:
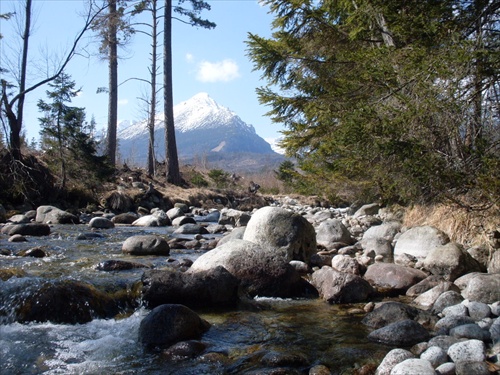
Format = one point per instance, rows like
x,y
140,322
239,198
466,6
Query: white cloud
x,y
189,57
123,102
221,71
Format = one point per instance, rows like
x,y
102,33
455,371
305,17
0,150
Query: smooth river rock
x,y
148,244
168,324
280,229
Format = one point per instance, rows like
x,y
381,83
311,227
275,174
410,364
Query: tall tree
x,y
154,33
13,94
65,136
114,30
384,93
191,17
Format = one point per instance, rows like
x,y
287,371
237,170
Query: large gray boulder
x,y
333,231
390,278
54,215
168,324
345,263
468,351
450,261
157,219
280,229
235,234
367,209
418,241
261,271
340,287
378,247
149,244
427,299
236,218
386,230
483,287
402,333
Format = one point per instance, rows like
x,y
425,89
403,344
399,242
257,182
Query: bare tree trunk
x,y
15,122
152,110
171,159
113,83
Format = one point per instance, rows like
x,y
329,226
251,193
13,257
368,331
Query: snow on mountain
x,y
200,112
203,129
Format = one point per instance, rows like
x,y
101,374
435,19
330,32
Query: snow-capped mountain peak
x,y
200,112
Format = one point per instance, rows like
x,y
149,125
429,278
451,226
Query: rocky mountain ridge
x,y
204,130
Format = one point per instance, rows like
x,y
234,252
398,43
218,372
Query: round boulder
x,y
402,333
333,231
450,261
261,271
413,366
468,351
125,218
54,215
390,278
280,229
340,287
215,287
483,288
418,241
391,359
389,312
168,324
146,245
101,223
386,231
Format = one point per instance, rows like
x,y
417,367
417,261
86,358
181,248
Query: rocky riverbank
x,y
434,299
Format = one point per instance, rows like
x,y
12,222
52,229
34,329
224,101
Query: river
x,y
236,343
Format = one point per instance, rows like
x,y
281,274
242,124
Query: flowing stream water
x,y
236,343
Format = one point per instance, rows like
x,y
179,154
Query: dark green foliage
x,y
386,100
66,138
198,180
220,177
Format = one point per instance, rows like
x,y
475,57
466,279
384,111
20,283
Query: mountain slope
x,y
204,129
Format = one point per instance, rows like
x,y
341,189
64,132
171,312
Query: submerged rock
x,y
30,229
60,302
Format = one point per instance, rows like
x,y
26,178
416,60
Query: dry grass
x,y
471,228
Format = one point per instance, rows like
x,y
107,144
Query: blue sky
x,y
212,61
